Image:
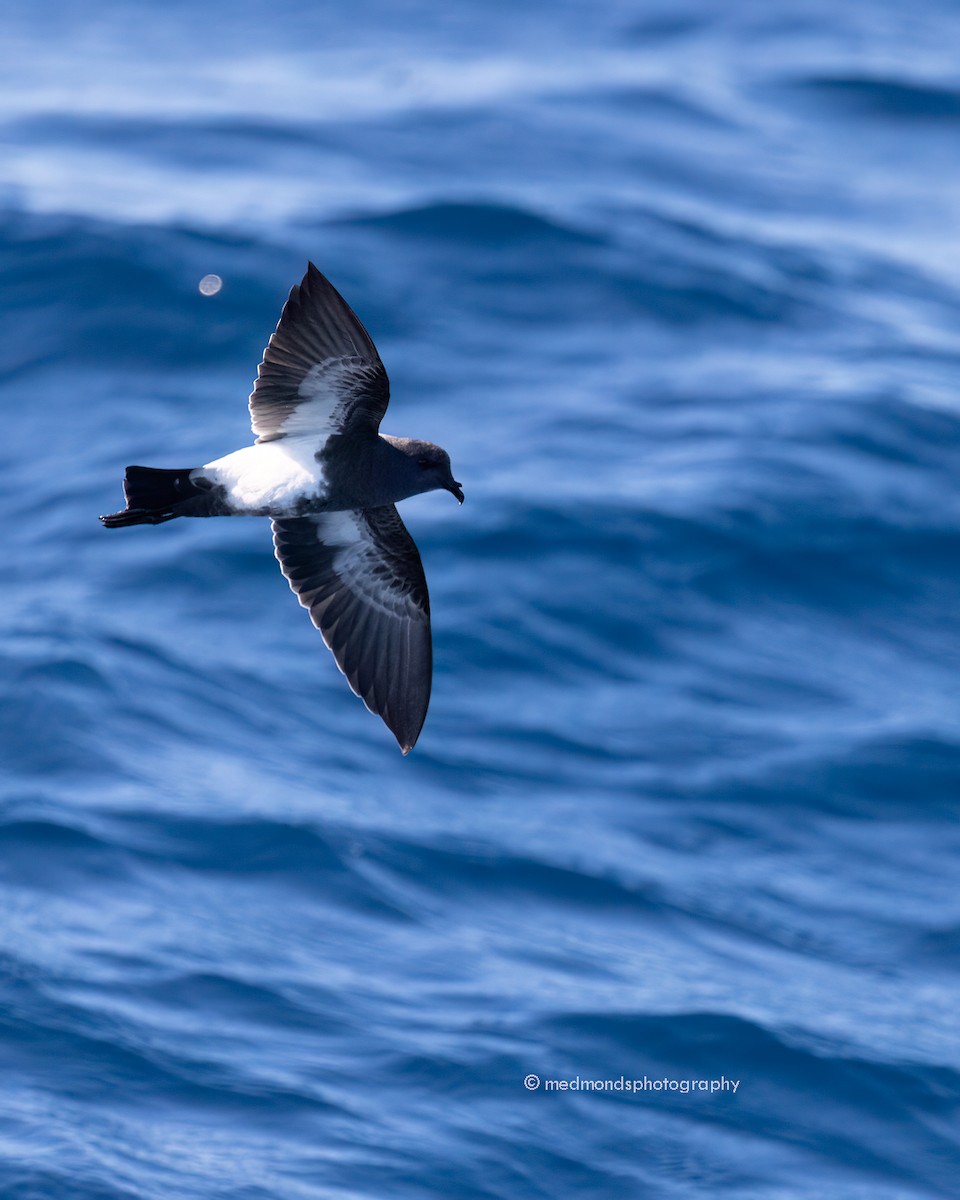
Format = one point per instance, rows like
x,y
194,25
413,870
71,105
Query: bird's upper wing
x,y
359,574
320,372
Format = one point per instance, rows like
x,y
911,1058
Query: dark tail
x,y
153,495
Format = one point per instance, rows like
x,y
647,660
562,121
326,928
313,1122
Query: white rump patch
x,y
270,478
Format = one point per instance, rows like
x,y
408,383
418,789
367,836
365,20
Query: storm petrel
x,y
329,480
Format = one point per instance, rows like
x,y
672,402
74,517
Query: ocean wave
x,y
484,223
885,97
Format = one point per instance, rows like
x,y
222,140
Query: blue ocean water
x,y
677,285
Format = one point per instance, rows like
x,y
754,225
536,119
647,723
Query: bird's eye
x,y
423,464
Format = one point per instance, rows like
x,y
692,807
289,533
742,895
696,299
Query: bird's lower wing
x,y
359,574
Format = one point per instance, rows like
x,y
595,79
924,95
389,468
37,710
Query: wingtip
x,y
314,281
406,747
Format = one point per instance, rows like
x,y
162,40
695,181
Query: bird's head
x,y
429,467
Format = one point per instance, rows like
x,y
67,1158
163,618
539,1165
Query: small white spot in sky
x,y
210,285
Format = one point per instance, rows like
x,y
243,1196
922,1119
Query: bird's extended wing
x,y
359,574
321,372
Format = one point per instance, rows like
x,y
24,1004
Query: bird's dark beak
x,y
455,489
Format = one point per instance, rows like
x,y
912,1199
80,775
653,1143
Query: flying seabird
x,y
329,480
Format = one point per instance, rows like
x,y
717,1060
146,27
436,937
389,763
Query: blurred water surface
x,y
677,286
